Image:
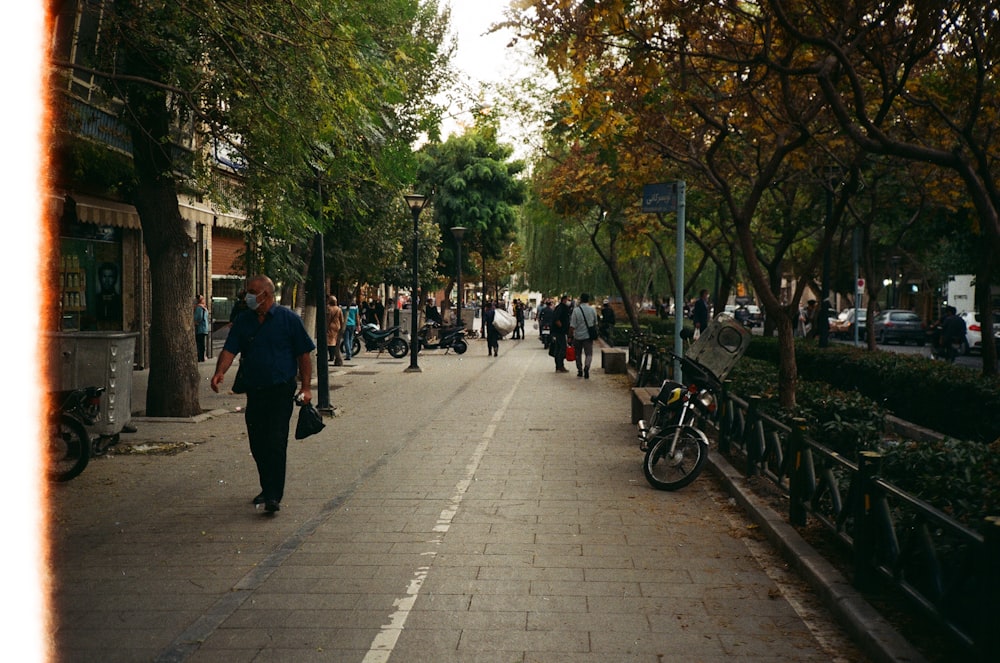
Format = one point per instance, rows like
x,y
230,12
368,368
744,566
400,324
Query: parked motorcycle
x,y
377,340
545,334
674,439
69,444
389,340
449,338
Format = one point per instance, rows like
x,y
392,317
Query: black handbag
x,y
310,421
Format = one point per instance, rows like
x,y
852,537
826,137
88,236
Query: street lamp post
x,y
416,204
459,232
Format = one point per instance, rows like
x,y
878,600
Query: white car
x,y
974,331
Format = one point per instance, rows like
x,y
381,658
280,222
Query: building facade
x,y
98,264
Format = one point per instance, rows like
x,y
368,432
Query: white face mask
x,y
251,300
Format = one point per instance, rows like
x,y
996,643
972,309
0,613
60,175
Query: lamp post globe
x,y
416,204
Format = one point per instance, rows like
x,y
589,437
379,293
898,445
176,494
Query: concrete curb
x,y
872,632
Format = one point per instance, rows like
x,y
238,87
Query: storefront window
x,y
225,291
91,280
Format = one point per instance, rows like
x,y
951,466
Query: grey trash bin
x,y
97,359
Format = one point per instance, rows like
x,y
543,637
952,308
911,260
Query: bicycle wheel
x,y
68,448
398,347
670,471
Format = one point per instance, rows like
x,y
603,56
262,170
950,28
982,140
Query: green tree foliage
x,y
292,93
476,185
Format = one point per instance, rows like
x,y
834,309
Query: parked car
x,y
899,326
843,327
974,331
749,315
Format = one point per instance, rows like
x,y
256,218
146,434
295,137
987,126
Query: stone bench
x,y
613,360
642,403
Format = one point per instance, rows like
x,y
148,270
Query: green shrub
x,y
846,422
961,478
950,399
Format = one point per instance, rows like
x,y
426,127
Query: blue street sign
x,y
659,197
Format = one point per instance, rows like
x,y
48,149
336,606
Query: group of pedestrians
x,y
275,362
573,326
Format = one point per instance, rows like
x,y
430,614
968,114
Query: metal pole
x,y
322,359
679,284
459,232
414,341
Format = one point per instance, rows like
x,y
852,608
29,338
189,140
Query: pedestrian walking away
x,y
953,332
334,330
273,346
560,328
700,314
200,325
519,319
607,320
352,325
492,333
583,330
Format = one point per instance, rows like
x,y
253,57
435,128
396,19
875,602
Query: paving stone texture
x,y
485,509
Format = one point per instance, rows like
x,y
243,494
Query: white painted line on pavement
x,y
385,641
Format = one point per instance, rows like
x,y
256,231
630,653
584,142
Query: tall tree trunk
x,y
610,260
173,369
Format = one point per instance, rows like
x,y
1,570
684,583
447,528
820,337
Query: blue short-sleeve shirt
x,y
269,350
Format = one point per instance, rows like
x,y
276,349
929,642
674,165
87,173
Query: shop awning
x,y
99,211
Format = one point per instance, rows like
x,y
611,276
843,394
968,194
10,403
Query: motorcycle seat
x,y
380,334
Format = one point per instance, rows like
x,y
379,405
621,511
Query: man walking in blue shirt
x,y
273,346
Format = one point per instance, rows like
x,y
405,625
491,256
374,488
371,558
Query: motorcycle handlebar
x,y
704,374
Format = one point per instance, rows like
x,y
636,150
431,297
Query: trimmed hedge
x,y
952,400
846,422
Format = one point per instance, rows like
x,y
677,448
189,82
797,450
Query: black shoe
x,y
579,373
586,374
271,506
259,499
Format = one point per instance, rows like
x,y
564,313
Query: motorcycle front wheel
x,y
460,347
398,348
355,347
68,448
671,471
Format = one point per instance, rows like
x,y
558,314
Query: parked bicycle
x,y
645,371
69,443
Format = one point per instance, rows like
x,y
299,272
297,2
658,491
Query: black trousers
x,y
199,341
558,349
268,414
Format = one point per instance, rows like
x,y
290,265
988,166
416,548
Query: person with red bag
x,y
583,332
560,329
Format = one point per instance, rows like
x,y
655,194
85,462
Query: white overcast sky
x,y
481,57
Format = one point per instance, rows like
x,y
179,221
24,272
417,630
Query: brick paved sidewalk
x,y
486,509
